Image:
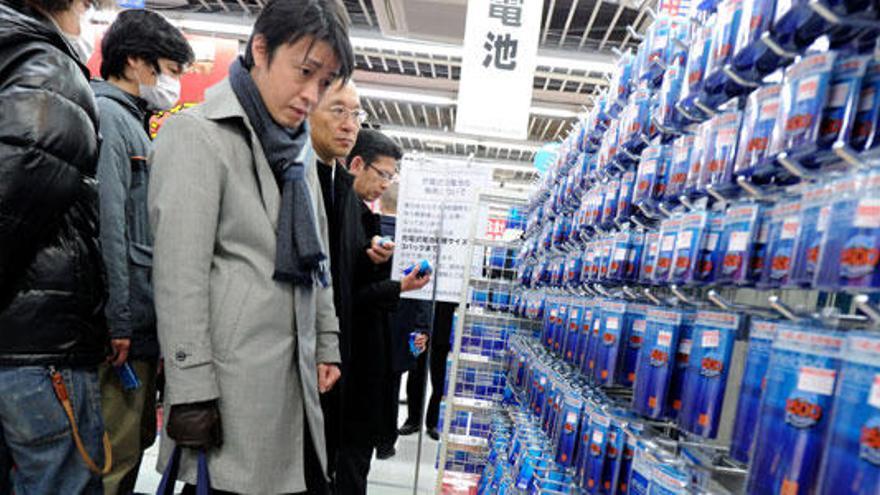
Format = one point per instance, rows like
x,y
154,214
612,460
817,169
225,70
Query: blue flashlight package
x,y
851,463
636,120
606,246
568,434
601,191
850,251
759,121
654,367
756,19
698,58
682,357
710,256
584,336
634,255
841,106
610,340
701,152
670,93
721,152
669,230
669,479
724,34
559,328
581,455
587,262
621,84
549,321
816,210
688,245
806,92
635,323
574,268
619,256
651,176
715,333
784,232
609,206
741,230
864,135
641,470
795,410
624,197
614,447
683,153
761,335
626,461
649,257
600,422
593,342
127,376
575,320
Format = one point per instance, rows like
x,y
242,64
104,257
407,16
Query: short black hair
x,y
142,34
287,21
54,6
371,144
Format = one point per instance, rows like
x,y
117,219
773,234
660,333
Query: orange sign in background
x,y
213,57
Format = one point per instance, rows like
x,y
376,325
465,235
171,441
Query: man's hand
x,y
413,282
195,425
328,375
421,342
379,254
120,351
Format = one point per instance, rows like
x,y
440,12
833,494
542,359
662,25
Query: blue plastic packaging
x,y
568,434
795,411
573,331
584,336
634,255
609,205
614,447
606,248
635,323
741,233
424,268
683,153
655,363
850,251
669,479
617,270
761,335
621,84
784,231
841,106
593,342
600,422
689,242
711,255
641,470
705,383
724,34
699,158
806,91
698,58
650,180
865,126
682,358
754,151
610,335
127,376
851,463
649,257
721,152
668,234
816,211
670,93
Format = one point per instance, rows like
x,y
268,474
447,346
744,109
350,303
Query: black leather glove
x,y
196,425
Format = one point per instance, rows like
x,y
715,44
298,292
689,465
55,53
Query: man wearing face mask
x,y
142,59
52,330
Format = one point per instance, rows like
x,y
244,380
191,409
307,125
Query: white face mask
x,y
163,95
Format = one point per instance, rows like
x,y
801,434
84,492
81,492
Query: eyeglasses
x,y
387,177
341,113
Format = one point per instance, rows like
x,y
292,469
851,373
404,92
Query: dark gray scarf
x,y
299,258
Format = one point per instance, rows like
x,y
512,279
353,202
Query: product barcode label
x,y
808,88
874,396
664,338
598,436
816,380
612,323
571,418
739,241
769,111
685,346
712,241
790,228
868,214
711,338
668,242
640,325
619,254
838,95
685,237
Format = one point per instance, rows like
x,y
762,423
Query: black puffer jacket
x,y
51,275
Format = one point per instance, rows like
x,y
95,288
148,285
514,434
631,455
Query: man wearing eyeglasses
x,y
366,411
334,130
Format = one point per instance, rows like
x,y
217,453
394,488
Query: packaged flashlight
x,y
759,121
690,241
649,257
741,232
635,323
668,234
655,366
864,135
711,256
682,358
784,231
721,151
610,341
816,211
806,92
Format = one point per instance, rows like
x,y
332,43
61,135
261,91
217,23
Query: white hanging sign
x,y
498,67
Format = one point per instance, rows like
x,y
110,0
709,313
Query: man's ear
x,y
356,164
260,51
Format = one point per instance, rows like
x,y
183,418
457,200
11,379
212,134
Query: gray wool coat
x,y
227,330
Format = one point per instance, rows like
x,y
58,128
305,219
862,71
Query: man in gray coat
x,y
142,59
242,286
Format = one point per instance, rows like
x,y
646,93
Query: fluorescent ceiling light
x,y
554,112
429,137
384,94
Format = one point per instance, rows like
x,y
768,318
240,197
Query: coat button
x,y
180,356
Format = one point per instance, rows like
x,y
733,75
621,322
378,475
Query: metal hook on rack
x,y
717,195
629,293
705,108
634,34
651,297
616,51
843,152
782,308
638,222
864,305
676,291
648,213
665,211
750,188
601,290
728,71
775,48
683,199
794,167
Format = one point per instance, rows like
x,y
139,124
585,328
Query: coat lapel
x,y
224,105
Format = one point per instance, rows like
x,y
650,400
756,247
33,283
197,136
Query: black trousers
x,y
415,393
352,469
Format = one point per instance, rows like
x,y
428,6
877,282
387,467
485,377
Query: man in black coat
x,y
52,292
366,403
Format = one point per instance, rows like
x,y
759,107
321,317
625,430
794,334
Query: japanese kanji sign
x,y
432,193
500,49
